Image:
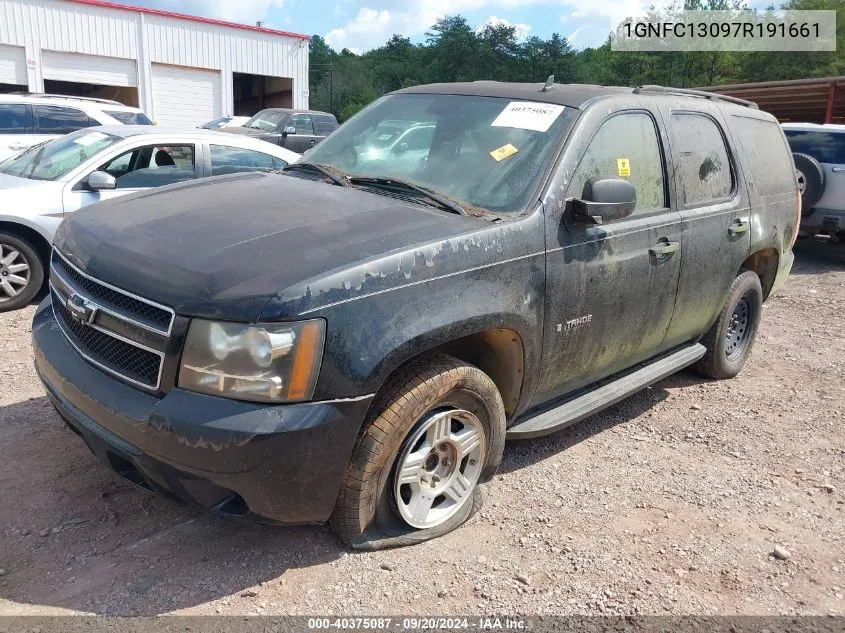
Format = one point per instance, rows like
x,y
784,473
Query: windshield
x,y
52,160
266,120
487,152
129,118
216,124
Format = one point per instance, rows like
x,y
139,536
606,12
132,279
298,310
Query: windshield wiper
x,y
394,183
340,181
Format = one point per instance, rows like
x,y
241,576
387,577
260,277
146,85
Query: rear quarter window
x,y
324,125
766,154
825,147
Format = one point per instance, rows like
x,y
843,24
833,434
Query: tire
x,y
811,180
21,272
730,339
426,417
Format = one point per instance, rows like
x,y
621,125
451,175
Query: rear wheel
x,y
21,272
730,339
437,433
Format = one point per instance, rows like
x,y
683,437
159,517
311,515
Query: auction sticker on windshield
x,y
89,139
528,115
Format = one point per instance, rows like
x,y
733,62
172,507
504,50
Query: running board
x,y
609,394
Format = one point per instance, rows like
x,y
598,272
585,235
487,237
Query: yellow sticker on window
x,y
503,152
623,166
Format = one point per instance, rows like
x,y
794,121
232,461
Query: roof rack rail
x,y
696,93
46,95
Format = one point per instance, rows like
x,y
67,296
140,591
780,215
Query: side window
x,y
324,125
229,160
152,166
60,120
825,147
302,123
630,137
418,139
767,155
703,166
13,118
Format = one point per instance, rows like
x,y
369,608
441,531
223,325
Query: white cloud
x,y
521,30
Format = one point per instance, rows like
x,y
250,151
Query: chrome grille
x,y
117,331
158,317
135,363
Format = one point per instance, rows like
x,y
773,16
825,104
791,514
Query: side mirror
x,y
604,200
289,130
101,181
401,148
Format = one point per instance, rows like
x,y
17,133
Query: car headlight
x,y
264,362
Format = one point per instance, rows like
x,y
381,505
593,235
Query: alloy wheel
x,y
438,467
15,272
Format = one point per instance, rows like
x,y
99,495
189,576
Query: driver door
x,y
610,288
135,170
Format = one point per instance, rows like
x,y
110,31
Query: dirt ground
x,y
671,502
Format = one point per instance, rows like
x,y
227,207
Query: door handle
x,y
837,170
665,248
313,141
739,226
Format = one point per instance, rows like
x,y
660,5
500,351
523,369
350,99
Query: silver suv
x,y
29,119
819,155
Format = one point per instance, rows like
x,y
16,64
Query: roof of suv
x,y
572,95
83,103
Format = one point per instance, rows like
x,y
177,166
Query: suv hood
x,y
223,247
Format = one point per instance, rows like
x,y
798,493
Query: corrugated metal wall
x,y
55,25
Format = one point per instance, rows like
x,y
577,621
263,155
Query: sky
x,y
361,25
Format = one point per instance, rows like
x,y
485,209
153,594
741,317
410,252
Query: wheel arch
x,y
500,352
30,234
764,262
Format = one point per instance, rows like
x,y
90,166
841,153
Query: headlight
x,y
265,362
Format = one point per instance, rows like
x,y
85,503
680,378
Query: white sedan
x,y
39,187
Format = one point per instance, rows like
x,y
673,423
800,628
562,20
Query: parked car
x,y
355,342
225,121
297,130
29,119
43,185
819,154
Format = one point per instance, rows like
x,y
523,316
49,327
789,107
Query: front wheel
x,y
730,339
21,272
436,434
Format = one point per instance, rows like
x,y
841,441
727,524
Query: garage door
x,y
185,96
89,69
12,65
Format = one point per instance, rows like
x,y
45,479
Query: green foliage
x,y
344,82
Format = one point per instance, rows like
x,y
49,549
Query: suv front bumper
x,y
272,463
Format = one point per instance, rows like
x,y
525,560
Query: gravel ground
x,y
672,502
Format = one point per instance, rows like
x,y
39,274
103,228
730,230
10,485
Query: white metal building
x,y
180,69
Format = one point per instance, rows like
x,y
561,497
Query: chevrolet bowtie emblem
x,y
82,310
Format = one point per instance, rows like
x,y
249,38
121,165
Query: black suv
x,y
355,338
296,130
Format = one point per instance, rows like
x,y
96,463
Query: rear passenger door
x,y
713,203
15,129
